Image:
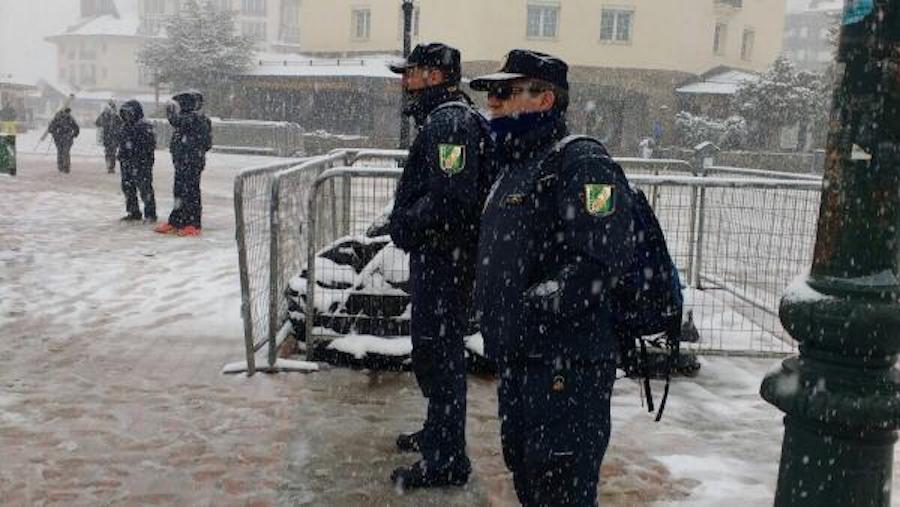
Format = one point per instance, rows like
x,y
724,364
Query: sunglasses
x,y
504,92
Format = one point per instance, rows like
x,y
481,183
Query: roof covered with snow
x,y
275,65
725,82
12,81
124,24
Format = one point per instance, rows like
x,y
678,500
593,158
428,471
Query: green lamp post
x,y
841,395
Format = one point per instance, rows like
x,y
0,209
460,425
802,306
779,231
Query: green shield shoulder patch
x,y
452,158
599,199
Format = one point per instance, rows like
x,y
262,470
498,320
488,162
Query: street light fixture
x,y
407,42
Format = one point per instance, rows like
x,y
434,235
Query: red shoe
x,y
190,230
165,228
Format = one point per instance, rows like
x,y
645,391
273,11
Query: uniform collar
x,y
525,136
420,106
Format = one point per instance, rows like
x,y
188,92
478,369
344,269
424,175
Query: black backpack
x,y
647,301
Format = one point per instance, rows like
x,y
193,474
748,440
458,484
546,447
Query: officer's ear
x,y
435,77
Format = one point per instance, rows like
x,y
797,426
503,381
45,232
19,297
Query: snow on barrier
x,y
332,275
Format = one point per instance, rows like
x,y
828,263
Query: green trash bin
x,y
8,154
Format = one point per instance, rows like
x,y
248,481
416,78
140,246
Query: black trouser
x,y
440,310
555,427
110,157
187,208
63,157
138,179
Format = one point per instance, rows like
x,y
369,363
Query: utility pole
x,y
841,395
407,43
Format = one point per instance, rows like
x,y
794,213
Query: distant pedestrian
x,y
110,125
64,130
191,139
136,145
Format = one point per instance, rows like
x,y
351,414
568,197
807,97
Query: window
x,y
804,32
145,76
253,8
615,25
154,7
719,39
362,23
747,45
290,21
221,5
255,30
88,74
825,56
542,21
103,73
801,55
152,16
91,8
825,33
414,29
87,51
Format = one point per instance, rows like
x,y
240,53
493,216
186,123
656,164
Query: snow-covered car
x,y
362,294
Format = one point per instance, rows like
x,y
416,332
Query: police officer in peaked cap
x,y
435,218
556,233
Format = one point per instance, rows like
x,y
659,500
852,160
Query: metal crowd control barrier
x,y
760,236
738,240
271,232
252,221
345,173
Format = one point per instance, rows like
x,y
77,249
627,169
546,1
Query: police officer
x,y
137,143
555,234
435,219
110,124
191,139
64,130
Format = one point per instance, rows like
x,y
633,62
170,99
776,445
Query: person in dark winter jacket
x,y
110,125
64,131
556,233
137,143
435,219
191,139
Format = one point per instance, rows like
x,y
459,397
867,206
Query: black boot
x,y
409,442
418,475
131,218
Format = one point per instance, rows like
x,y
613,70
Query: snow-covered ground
x,y
112,341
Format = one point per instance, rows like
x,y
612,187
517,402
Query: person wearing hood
x,y
136,145
435,219
110,124
191,139
64,130
556,233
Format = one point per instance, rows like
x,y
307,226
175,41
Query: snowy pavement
x,y
112,340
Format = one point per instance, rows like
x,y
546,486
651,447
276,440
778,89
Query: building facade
x,y
99,52
627,56
810,33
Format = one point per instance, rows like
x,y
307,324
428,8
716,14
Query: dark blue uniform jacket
x,y
546,261
191,139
